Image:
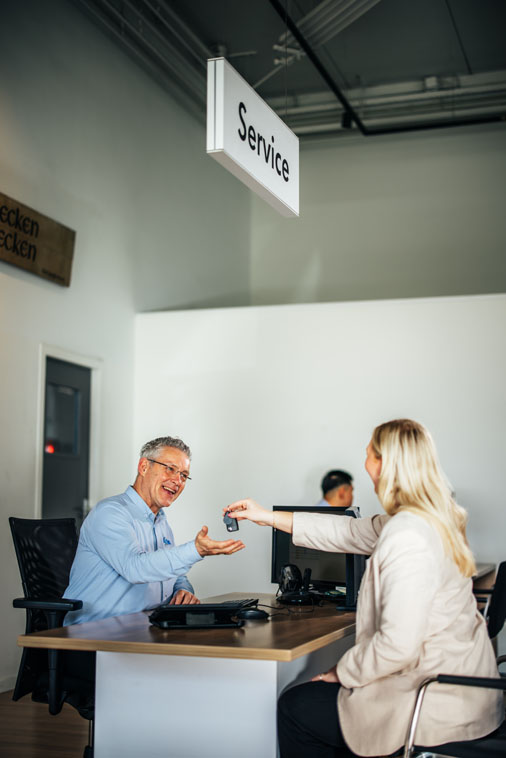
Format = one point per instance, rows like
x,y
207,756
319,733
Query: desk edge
x,y
180,649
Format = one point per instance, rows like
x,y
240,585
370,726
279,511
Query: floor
x,y
29,731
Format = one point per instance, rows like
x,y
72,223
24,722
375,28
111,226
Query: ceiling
x,y
331,67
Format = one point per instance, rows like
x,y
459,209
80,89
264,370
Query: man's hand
x,y
206,546
328,676
184,597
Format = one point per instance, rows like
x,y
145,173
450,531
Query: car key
x,y
230,523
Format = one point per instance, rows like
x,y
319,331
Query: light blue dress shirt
x,y
323,503
126,560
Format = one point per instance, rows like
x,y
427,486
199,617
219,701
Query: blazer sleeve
x,y
337,534
406,571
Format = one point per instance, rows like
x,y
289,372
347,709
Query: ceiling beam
x,y
350,114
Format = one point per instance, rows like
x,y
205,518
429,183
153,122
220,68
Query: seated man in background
x,y
337,489
127,559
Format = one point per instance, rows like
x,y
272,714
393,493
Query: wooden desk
x,y
202,692
485,575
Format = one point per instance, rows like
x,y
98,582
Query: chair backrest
x,y
497,607
45,549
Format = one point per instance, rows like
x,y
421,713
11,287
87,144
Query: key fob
x,y
230,523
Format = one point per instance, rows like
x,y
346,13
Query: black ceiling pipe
x,y
304,45
437,124
350,112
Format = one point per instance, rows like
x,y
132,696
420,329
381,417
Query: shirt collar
x,y
139,506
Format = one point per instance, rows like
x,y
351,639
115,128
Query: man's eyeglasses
x,y
172,470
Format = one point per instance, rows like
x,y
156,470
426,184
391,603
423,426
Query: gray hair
x,y
152,447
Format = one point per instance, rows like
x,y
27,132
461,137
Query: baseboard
x,y
7,683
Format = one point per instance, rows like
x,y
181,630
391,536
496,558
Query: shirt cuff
x,y
182,583
189,553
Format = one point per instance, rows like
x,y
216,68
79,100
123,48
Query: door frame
x,y
96,366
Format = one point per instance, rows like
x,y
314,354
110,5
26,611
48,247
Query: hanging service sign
x,y
250,140
35,242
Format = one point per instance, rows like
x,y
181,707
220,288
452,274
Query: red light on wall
x,y
49,448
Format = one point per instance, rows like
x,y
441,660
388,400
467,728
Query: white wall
x,y
405,215
87,139
269,398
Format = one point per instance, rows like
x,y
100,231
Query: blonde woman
x,y
416,614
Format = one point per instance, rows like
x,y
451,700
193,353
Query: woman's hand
x,y
328,676
249,509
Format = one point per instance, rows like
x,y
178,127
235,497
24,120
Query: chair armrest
x,y
60,604
466,681
473,681
54,609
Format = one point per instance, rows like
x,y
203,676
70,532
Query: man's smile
x,y
171,489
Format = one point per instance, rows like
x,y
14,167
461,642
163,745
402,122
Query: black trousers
x,y
308,722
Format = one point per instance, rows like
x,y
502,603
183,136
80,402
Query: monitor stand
x,y
302,597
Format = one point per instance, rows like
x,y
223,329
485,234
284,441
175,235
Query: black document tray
x,y
203,616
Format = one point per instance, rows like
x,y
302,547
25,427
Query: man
x,y
337,489
127,559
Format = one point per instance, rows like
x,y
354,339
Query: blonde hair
x,y
411,479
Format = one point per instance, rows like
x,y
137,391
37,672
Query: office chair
x,y
493,745
45,549
495,607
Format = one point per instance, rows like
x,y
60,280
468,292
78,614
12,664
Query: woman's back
x,y
416,617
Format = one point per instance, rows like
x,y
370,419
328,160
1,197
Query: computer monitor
x,y
329,571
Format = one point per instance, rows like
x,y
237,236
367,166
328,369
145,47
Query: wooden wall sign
x,y
35,242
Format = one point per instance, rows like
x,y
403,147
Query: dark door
x,y
66,440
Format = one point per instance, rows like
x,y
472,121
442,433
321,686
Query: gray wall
x,y
87,139
406,215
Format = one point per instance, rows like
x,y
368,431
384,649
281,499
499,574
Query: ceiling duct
x,y
329,18
399,119
156,38
172,53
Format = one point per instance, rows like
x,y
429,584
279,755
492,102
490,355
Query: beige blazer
x,y
416,617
